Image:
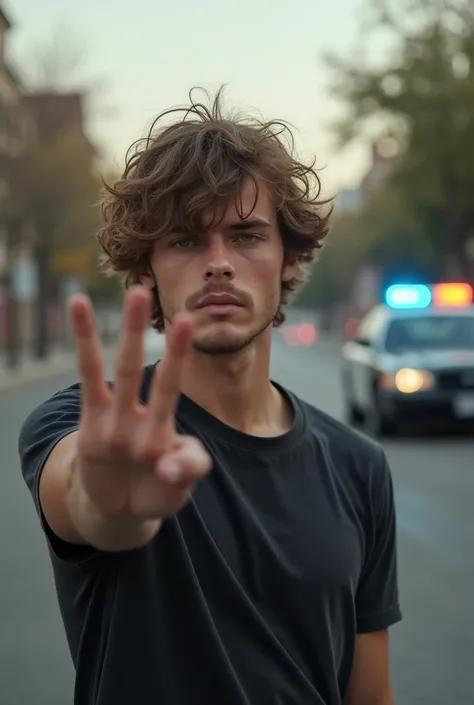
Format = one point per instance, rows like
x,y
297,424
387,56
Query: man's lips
x,y
219,304
217,300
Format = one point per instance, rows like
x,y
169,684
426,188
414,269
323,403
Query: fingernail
x,y
171,469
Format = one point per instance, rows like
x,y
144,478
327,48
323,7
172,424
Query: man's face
x,y
229,278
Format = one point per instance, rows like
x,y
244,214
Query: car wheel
x,y
377,424
354,416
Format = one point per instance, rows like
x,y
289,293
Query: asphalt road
x,y
433,648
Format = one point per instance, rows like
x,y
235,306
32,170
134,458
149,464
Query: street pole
x,y
13,234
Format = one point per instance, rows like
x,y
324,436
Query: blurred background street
x,y
385,99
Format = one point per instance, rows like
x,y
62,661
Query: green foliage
x,y
56,191
104,289
392,234
56,179
423,97
333,274
383,235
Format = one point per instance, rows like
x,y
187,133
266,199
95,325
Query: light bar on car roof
x,y
444,295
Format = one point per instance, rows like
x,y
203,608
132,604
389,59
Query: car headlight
x,y
408,380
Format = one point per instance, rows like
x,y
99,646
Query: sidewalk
x,y
58,362
31,370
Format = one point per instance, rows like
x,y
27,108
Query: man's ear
x,y
147,278
289,267
148,281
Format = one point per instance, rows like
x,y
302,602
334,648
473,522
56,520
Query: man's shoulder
x,y
340,439
358,461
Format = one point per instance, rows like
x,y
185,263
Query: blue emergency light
x,y
408,296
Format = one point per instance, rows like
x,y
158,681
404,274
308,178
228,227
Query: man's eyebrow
x,y
237,226
249,224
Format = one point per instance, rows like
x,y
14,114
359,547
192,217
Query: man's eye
x,y
248,238
183,243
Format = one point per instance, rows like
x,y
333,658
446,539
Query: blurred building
x,y
55,114
15,257
367,280
36,273
384,159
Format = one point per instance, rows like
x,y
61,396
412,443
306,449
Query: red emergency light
x,y
449,294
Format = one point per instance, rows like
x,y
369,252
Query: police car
x,y
412,357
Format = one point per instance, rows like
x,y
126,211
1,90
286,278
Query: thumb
x,y
187,463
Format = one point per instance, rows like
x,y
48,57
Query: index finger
x,y
166,385
88,351
129,361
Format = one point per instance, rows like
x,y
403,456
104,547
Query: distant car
x,y
299,329
412,357
351,327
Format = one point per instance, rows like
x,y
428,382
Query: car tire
x,y
377,424
353,415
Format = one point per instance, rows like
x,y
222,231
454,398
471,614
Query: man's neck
x,y
237,390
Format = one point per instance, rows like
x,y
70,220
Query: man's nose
x,y
218,264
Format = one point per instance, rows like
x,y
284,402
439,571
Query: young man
x,y
214,539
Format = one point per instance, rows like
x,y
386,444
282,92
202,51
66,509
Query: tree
x,y
62,63
56,189
422,96
382,235
333,274
56,182
396,243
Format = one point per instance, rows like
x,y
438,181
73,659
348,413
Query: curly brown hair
x,y
199,161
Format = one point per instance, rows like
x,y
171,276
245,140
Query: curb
x,y
47,369
50,368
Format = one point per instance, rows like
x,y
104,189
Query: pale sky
x,y
151,53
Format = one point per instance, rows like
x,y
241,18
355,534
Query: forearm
x,y
106,533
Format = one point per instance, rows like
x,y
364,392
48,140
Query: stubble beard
x,y
231,345
226,345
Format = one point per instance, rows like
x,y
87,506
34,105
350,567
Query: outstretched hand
x,y
131,459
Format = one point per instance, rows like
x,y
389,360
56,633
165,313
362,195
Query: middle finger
x,y
131,349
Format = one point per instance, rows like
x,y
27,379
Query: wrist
x,y
118,532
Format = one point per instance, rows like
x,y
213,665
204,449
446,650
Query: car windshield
x,y
430,333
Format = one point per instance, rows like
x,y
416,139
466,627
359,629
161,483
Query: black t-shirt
x,y
253,594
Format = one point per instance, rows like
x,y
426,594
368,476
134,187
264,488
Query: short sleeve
x,y
51,421
377,598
